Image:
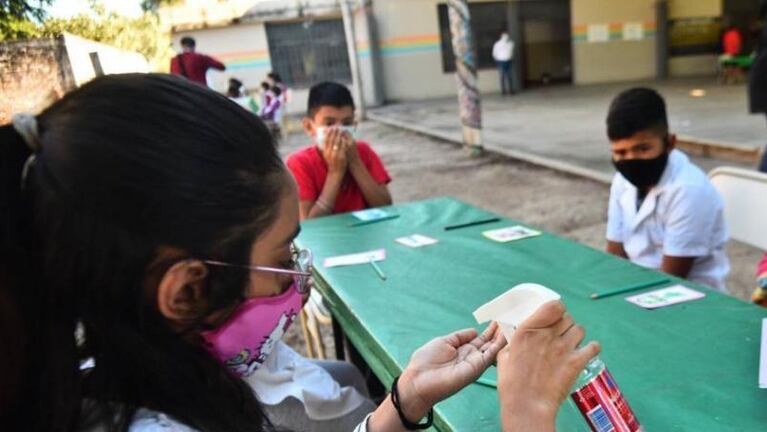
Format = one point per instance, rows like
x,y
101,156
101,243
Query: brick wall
x,y
33,73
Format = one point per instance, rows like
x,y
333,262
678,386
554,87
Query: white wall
x,y
112,60
619,58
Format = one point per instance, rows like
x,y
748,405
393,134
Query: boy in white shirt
x,y
663,211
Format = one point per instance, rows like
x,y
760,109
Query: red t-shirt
x,y
196,66
310,171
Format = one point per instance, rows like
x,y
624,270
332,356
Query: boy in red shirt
x,y
338,173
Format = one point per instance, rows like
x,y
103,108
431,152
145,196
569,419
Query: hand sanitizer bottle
x,y
595,393
601,402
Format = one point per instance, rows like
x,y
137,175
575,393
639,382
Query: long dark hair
x,y
129,165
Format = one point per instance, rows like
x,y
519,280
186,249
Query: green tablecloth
x,y
689,367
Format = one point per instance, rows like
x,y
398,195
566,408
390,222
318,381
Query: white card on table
x,y
763,357
370,214
512,233
353,259
665,297
416,240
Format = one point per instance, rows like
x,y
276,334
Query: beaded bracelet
x,y
405,422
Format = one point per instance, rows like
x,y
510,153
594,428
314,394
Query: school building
x,y
404,52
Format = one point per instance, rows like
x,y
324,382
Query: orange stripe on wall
x,y
248,54
416,38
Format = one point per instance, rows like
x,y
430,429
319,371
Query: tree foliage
x,y
143,34
19,9
153,5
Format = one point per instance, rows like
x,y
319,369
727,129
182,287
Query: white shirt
x,y
503,49
152,421
285,373
682,216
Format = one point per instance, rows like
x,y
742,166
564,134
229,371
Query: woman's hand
x,y
445,365
539,367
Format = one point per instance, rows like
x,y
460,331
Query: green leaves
x,y
20,9
144,34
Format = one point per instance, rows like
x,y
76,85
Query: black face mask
x,y
643,173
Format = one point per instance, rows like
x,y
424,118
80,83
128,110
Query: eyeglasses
x,y
300,263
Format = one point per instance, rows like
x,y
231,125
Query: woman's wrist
x,y
522,414
412,404
386,417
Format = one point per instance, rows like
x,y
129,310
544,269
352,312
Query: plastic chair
x,y
745,203
313,315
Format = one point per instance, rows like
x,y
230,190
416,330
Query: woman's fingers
x,y
564,325
574,336
461,337
586,353
491,349
547,315
491,330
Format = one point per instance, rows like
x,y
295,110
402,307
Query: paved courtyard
x,y
564,126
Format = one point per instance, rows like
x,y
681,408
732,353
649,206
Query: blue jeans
x,y
504,70
763,163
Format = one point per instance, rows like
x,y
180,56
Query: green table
x,y
689,367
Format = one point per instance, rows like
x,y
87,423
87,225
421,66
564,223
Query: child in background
x,y
760,293
276,81
338,173
236,94
271,112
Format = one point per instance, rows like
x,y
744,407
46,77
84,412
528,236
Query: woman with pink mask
x,y
147,244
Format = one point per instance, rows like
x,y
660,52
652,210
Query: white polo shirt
x,y
682,216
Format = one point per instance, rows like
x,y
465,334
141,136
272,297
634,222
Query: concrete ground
x,y
568,205
565,125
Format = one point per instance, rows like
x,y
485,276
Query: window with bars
x,y
305,53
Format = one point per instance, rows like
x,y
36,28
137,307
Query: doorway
x,y
546,44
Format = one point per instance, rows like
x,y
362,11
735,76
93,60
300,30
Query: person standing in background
x,y
503,54
192,65
757,81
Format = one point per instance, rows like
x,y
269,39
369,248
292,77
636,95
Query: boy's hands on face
x,y
335,152
352,154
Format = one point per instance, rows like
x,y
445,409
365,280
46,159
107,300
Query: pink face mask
x,y
244,341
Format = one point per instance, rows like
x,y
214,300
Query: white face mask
x,y
319,137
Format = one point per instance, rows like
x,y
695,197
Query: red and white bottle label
x,y
602,404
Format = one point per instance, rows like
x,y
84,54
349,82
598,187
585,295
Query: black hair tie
x,y
405,422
